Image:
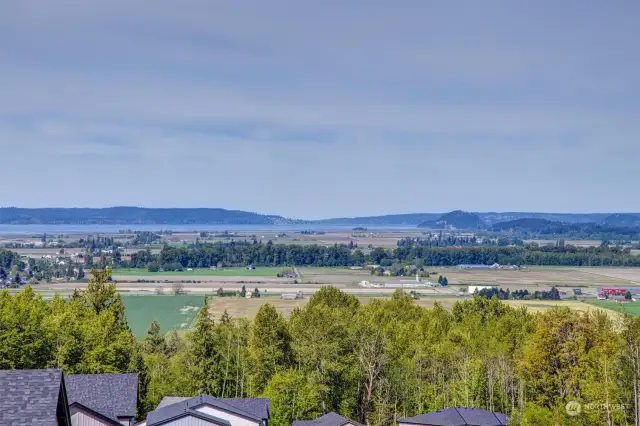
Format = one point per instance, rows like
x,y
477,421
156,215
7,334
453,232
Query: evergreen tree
x,y
269,347
204,372
154,343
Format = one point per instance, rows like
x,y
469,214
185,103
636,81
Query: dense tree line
x,y
268,254
536,228
454,240
9,259
375,363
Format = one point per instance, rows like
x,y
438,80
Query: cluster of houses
x,y
51,398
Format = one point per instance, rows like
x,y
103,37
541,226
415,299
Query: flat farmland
x,y
531,278
247,308
171,312
199,272
632,308
543,277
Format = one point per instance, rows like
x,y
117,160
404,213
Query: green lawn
x,y
632,308
171,312
226,272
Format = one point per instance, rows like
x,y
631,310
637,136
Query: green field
x,y
171,312
226,272
632,308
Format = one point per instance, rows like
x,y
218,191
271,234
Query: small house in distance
x,y
292,296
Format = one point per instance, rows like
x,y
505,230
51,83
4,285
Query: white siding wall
x,y
190,421
231,418
81,418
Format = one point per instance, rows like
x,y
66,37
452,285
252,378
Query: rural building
x,y
407,284
618,291
205,410
292,296
481,266
33,397
468,266
457,416
329,419
102,399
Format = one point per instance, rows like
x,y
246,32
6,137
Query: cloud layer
x,y
327,109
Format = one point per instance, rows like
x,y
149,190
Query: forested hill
x,y
135,215
455,219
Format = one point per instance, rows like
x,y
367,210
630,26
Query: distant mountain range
x,y
457,219
135,215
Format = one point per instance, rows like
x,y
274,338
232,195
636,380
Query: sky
x,y
316,109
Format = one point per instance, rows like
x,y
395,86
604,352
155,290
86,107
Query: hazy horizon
x,y
318,110
346,217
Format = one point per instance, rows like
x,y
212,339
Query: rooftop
x,y
30,397
111,395
458,416
329,419
256,409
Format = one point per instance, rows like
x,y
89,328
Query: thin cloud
x,y
409,103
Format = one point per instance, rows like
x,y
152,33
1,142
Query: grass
x,y
171,312
226,272
632,308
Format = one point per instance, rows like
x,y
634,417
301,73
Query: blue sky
x,y
320,109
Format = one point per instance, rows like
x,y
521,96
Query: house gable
x,y
85,416
236,419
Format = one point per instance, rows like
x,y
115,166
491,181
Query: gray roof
x,y
329,419
168,400
112,395
458,416
256,409
30,397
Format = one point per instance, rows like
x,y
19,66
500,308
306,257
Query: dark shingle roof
x,y
458,416
256,409
29,397
329,419
259,407
112,395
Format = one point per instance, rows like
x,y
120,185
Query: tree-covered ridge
x,y
622,220
535,228
134,215
269,254
374,362
457,219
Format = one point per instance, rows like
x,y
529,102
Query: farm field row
x,y
226,272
